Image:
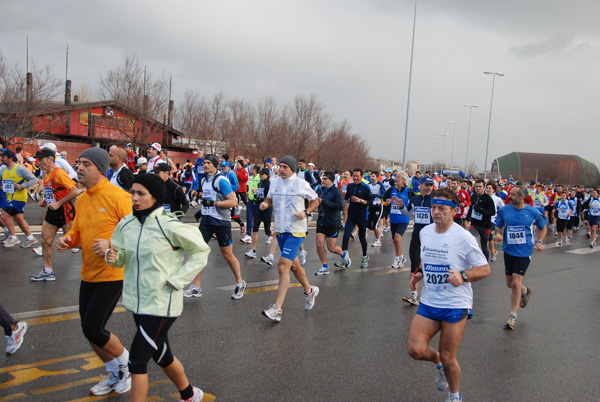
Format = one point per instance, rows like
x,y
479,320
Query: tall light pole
x,y
443,135
469,134
452,151
412,48
494,74
435,160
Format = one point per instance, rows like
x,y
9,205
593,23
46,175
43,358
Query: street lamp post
x,y
469,133
494,74
452,150
412,48
443,135
435,160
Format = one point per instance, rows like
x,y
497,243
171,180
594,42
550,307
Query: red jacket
x,y
242,176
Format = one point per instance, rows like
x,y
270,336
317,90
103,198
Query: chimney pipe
x,y
68,93
76,98
29,90
170,115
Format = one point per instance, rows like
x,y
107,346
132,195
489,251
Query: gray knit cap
x,y
99,157
290,161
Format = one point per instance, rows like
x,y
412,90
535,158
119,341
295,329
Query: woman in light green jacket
x,y
151,244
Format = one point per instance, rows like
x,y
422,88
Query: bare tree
x,y
213,115
146,97
307,118
472,168
239,126
188,118
20,103
84,93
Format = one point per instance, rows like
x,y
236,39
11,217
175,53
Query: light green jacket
x,y
253,183
153,255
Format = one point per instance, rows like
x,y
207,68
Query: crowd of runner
x,y
102,203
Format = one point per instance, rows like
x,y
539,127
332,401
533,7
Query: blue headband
x,y
443,201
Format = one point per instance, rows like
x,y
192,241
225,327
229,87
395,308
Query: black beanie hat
x,y
154,184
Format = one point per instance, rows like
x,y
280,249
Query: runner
x,y
490,190
217,200
175,200
465,202
397,198
387,182
376,207
99,210
261,216
343,186
331,202
516,222
563,211
16,179
451,260
154,279
153,153
251,209
122,176
481,211
59,191
286,195
592,205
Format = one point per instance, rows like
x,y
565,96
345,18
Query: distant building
x,y
556,168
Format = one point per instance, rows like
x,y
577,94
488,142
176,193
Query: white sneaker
x,y
399,262
11,242
246,239
194,204
376,243
310,298
302,256
273,313
269,239
74,250
440,379
192,291
267,259
15,340
124,383
37,250
196,397
29,243
250,253
106,386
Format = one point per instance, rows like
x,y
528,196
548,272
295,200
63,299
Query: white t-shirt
x,y
454,249
499,204
152,162
288,198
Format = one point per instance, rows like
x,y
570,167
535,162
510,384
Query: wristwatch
x,y
464,276
541,242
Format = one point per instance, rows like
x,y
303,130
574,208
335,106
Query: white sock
x,y
271,255
30,237
124,358
513,315
5,230
13,237
112,366
48,270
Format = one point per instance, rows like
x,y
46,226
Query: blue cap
x,y
225,163
426,180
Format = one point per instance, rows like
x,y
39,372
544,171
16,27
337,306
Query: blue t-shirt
x,y
518,229
396,215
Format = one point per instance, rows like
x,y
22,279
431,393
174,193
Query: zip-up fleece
x,y
153,254
99,210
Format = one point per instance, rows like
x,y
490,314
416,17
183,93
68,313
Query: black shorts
x,y
375,213
329,231
58,218
12,211
386,211
398,228
515,265
223,234
561,225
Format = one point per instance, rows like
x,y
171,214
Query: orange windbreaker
x,y
99,210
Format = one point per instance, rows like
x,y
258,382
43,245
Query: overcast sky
x,y
355,56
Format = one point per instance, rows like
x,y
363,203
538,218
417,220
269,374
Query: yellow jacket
x,y
97,213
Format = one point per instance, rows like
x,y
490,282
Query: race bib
x,y
515,235
8,186
208,194
436,276
593,211
537,203
49,195
476,215
563,212
422,215
167,207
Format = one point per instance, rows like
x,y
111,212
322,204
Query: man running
x,y
481,211
451,260
175,200
331,202
397,197
592,205
16,179
122,176
286,195
153,153
465,202
375,212
59,191
99,210
516,221
217,200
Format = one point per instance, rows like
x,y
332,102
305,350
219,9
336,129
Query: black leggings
x,y
150,341
484,236
6,321
97,300
265,218
362,230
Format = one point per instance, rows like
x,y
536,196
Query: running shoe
x,y
493,256
192,291
250,253
246,239
399,262
5,236
454,398
322,271
267,259
511,322
346,259
38,250
15,340
268,239
558,243
364,262
124,383
302,256
592,244
353,235
106,386
29,243
309,299
194,204
238,293
74,250
412,300
196,397
340,263
440,379
43,276
11,242
525,297
273,313
376,243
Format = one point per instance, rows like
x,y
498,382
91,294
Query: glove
x,y
208,203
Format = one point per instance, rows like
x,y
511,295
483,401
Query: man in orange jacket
x,y
99,210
